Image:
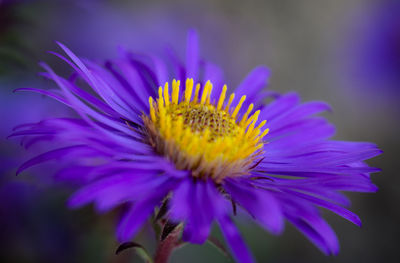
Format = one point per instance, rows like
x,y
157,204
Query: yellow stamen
x,y
175,91
222,97
188,90
249,109
196,93
166,94
201,136
205,92
178,128
251,127
261,124
265,132
231,97
236,111
168,127
160,98
209,94
252,117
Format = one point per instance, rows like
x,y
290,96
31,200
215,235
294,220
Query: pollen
x,y
202,135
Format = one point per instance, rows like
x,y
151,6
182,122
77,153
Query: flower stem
x,y
166,246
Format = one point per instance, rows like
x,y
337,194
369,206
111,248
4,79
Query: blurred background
x,y
345,52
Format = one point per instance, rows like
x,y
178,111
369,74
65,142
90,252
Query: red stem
x,y
166,246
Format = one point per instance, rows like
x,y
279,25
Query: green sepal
x,y
139,249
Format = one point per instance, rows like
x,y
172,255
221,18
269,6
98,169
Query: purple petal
x,y
133,184
177,65
197,203
279,106
298,113
252,86
216,76
52,155
278,131
259,203
301,137
308,220
130,84
141,210
179,202
318,231
232,237
330,206
319,189
192,54
160,70
52,94
84,110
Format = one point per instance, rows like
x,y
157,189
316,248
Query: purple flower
x,y
198,151
374,50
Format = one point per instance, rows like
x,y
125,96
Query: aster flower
x,y
374,45
189,146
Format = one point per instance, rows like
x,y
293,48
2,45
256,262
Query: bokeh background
x,y
345,52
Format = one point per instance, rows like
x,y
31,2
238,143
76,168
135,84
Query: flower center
x,y
201,135
199,117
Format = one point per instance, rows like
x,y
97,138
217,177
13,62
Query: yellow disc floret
x,y
201,135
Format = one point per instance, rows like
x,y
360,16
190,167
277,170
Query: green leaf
x,y
139,249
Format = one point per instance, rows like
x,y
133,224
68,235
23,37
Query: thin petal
x,y
330,206
252,85
233,238
52,155
318,231
141,210
259,203
196,203
192,54
216,76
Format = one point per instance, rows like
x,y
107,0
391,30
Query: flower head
x,y
143,139
201,136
